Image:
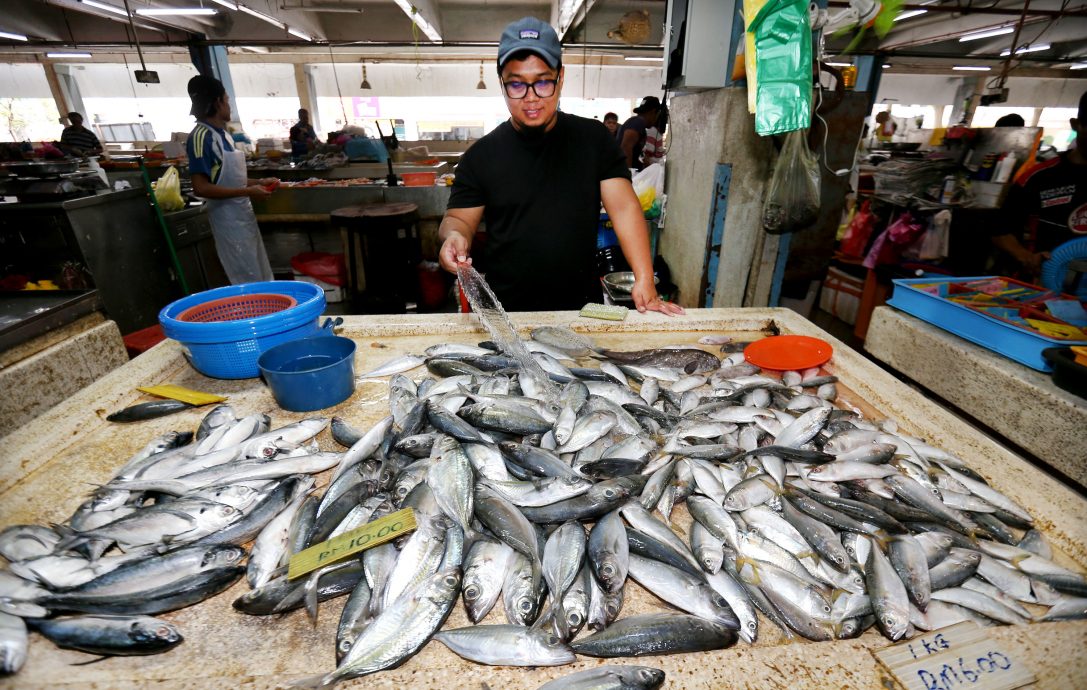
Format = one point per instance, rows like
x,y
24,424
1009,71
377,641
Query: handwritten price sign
x,y
956,657
349,543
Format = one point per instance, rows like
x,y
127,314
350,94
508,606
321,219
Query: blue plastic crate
x,y
993,334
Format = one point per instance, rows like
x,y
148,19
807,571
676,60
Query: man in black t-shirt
x,y
538,181
633,133
1048,206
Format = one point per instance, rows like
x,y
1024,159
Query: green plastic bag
x,y
783,98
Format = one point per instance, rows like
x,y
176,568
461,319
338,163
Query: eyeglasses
x,y
544,88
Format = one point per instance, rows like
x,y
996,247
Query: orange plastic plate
x,y
788,352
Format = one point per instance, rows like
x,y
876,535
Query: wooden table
x,y
49,464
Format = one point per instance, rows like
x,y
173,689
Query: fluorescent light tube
x,y
420,22
643,59
260,15
176,12
910,14
971,68
14,37
988,33
104,6
1026,49
63,56
295,32
229,4
1078,65
840,64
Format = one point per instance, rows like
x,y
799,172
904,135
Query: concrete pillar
x,y
59,98
212,61
975,100
307,92
711,128
1035,117
940,110
70,87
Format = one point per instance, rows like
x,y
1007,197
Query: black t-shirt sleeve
x,y
467,189
610,159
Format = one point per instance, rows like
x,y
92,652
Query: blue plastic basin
x,y
311,373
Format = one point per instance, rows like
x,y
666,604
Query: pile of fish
x,y
549,497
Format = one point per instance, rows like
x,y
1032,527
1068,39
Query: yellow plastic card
x,y
183,394
1056,330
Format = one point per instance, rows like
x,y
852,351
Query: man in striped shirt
x,y
77,140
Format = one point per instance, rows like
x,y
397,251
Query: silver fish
x,y
13,643
609,678
506,645
396,365
485,569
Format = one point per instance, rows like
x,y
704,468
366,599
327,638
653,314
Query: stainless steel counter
x,y
114,235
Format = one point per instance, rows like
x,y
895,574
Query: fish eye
x,y
525,605
451,581
551,639
574,619
826,609
471,592
609,493
607,570
163,631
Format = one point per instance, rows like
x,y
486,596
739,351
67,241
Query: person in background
x,y
653,151
219,176
538,181
886,126
303,136
77,140
632,134
1011,120
1048,205
611,122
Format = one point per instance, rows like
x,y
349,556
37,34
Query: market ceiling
x,y
1050,36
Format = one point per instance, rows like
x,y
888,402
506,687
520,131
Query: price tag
x,y
958,656
359,539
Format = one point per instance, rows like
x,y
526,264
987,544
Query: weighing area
x,y
810,412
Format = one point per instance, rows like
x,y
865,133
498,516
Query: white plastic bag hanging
x,y
935,245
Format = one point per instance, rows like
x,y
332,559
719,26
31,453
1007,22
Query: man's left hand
x,y
646,299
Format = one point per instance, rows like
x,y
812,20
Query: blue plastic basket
x,y
229,349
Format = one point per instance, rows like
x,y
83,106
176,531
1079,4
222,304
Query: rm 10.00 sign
x,y
359,539
959,656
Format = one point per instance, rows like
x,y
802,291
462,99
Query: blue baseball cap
x,y
533,35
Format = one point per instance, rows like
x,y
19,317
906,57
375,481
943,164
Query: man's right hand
x,y
454,250
257,193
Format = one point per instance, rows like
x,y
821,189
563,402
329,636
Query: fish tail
x,y
320,681
311,596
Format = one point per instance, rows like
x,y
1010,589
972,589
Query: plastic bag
x,y
792,200
859,232
649,185
328,268
936,244
168,191
783,58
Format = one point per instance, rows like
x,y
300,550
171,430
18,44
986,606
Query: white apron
x,y
237,236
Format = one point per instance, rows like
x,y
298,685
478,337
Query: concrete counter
x,y
1016,401
51,461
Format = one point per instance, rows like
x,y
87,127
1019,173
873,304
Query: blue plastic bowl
x,y
311,373
229,349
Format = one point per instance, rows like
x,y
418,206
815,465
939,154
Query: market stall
x,y
71,445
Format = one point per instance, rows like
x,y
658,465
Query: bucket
x,y
311,373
